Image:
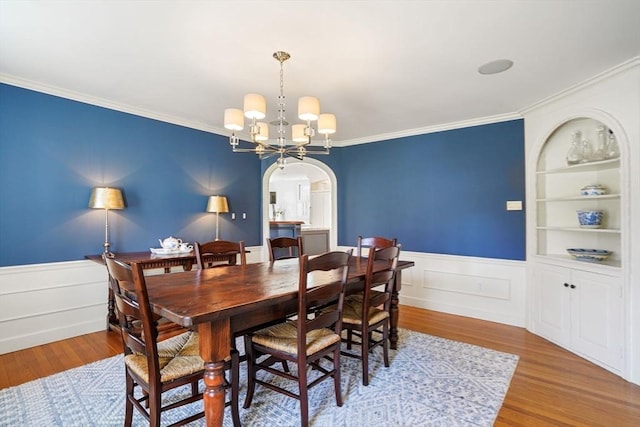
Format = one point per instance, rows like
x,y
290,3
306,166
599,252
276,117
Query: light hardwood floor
x,y
551,386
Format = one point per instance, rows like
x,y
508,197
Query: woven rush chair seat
x,y
177,357
352,312
284,337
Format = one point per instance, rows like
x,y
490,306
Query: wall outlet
x,y
233,215
244,215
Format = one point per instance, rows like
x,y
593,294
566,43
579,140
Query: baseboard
x,y
19,342
464,311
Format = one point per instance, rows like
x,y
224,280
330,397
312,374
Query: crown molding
x,y
105,103
430,129
626,65
101,102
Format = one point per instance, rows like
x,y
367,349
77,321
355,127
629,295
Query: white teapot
x,y
170,243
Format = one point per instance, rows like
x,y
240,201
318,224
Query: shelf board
x,y
583,167
580,198
568,258
582,230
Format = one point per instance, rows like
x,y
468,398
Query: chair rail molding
x,y
483,288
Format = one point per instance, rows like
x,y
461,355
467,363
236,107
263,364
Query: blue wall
x,y
442,192
53,151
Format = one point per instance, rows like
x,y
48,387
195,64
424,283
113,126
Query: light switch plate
x,y
514,205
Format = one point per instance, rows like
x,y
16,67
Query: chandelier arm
x,y
266,156
314,152
245,150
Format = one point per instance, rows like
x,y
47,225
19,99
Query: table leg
x,y
395,311
214,348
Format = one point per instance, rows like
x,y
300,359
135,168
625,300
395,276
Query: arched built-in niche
x,y
333,230
577,299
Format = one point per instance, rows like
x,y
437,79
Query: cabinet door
x,y
597,309
553,317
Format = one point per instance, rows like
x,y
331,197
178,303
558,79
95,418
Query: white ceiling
x,y
385,68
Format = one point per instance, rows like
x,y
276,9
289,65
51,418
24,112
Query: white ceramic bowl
x,y
593,190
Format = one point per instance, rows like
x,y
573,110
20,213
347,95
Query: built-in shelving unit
x,y
558,197
578,304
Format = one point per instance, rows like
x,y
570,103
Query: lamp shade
x,y
263,135
233,119
218,204
326,123
297,133
308,108
255,106
106,198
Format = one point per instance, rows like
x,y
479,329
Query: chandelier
x,y
301,134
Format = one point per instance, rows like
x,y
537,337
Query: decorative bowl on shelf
x,y
593,190
589,218
591,255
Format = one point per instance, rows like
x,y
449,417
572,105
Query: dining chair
x,y
166,328
307,340
375,241
158,366
284,248
219,253
366,315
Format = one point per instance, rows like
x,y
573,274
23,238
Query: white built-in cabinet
x,y
581,311
578,304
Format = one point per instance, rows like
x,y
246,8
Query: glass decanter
x,y
574,156
600,152
586,151
612,150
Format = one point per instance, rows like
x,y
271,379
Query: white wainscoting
x,y
42,303
482,288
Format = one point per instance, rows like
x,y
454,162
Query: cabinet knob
x,y
566,285
572,286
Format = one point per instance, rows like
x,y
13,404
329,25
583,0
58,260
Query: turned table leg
x,y
214,347
395,311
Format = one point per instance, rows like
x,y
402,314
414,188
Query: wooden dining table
x,y
224,301
150,261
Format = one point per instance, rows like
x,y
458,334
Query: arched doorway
x,y
333,197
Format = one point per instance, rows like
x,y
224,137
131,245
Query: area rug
x,y
431,382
